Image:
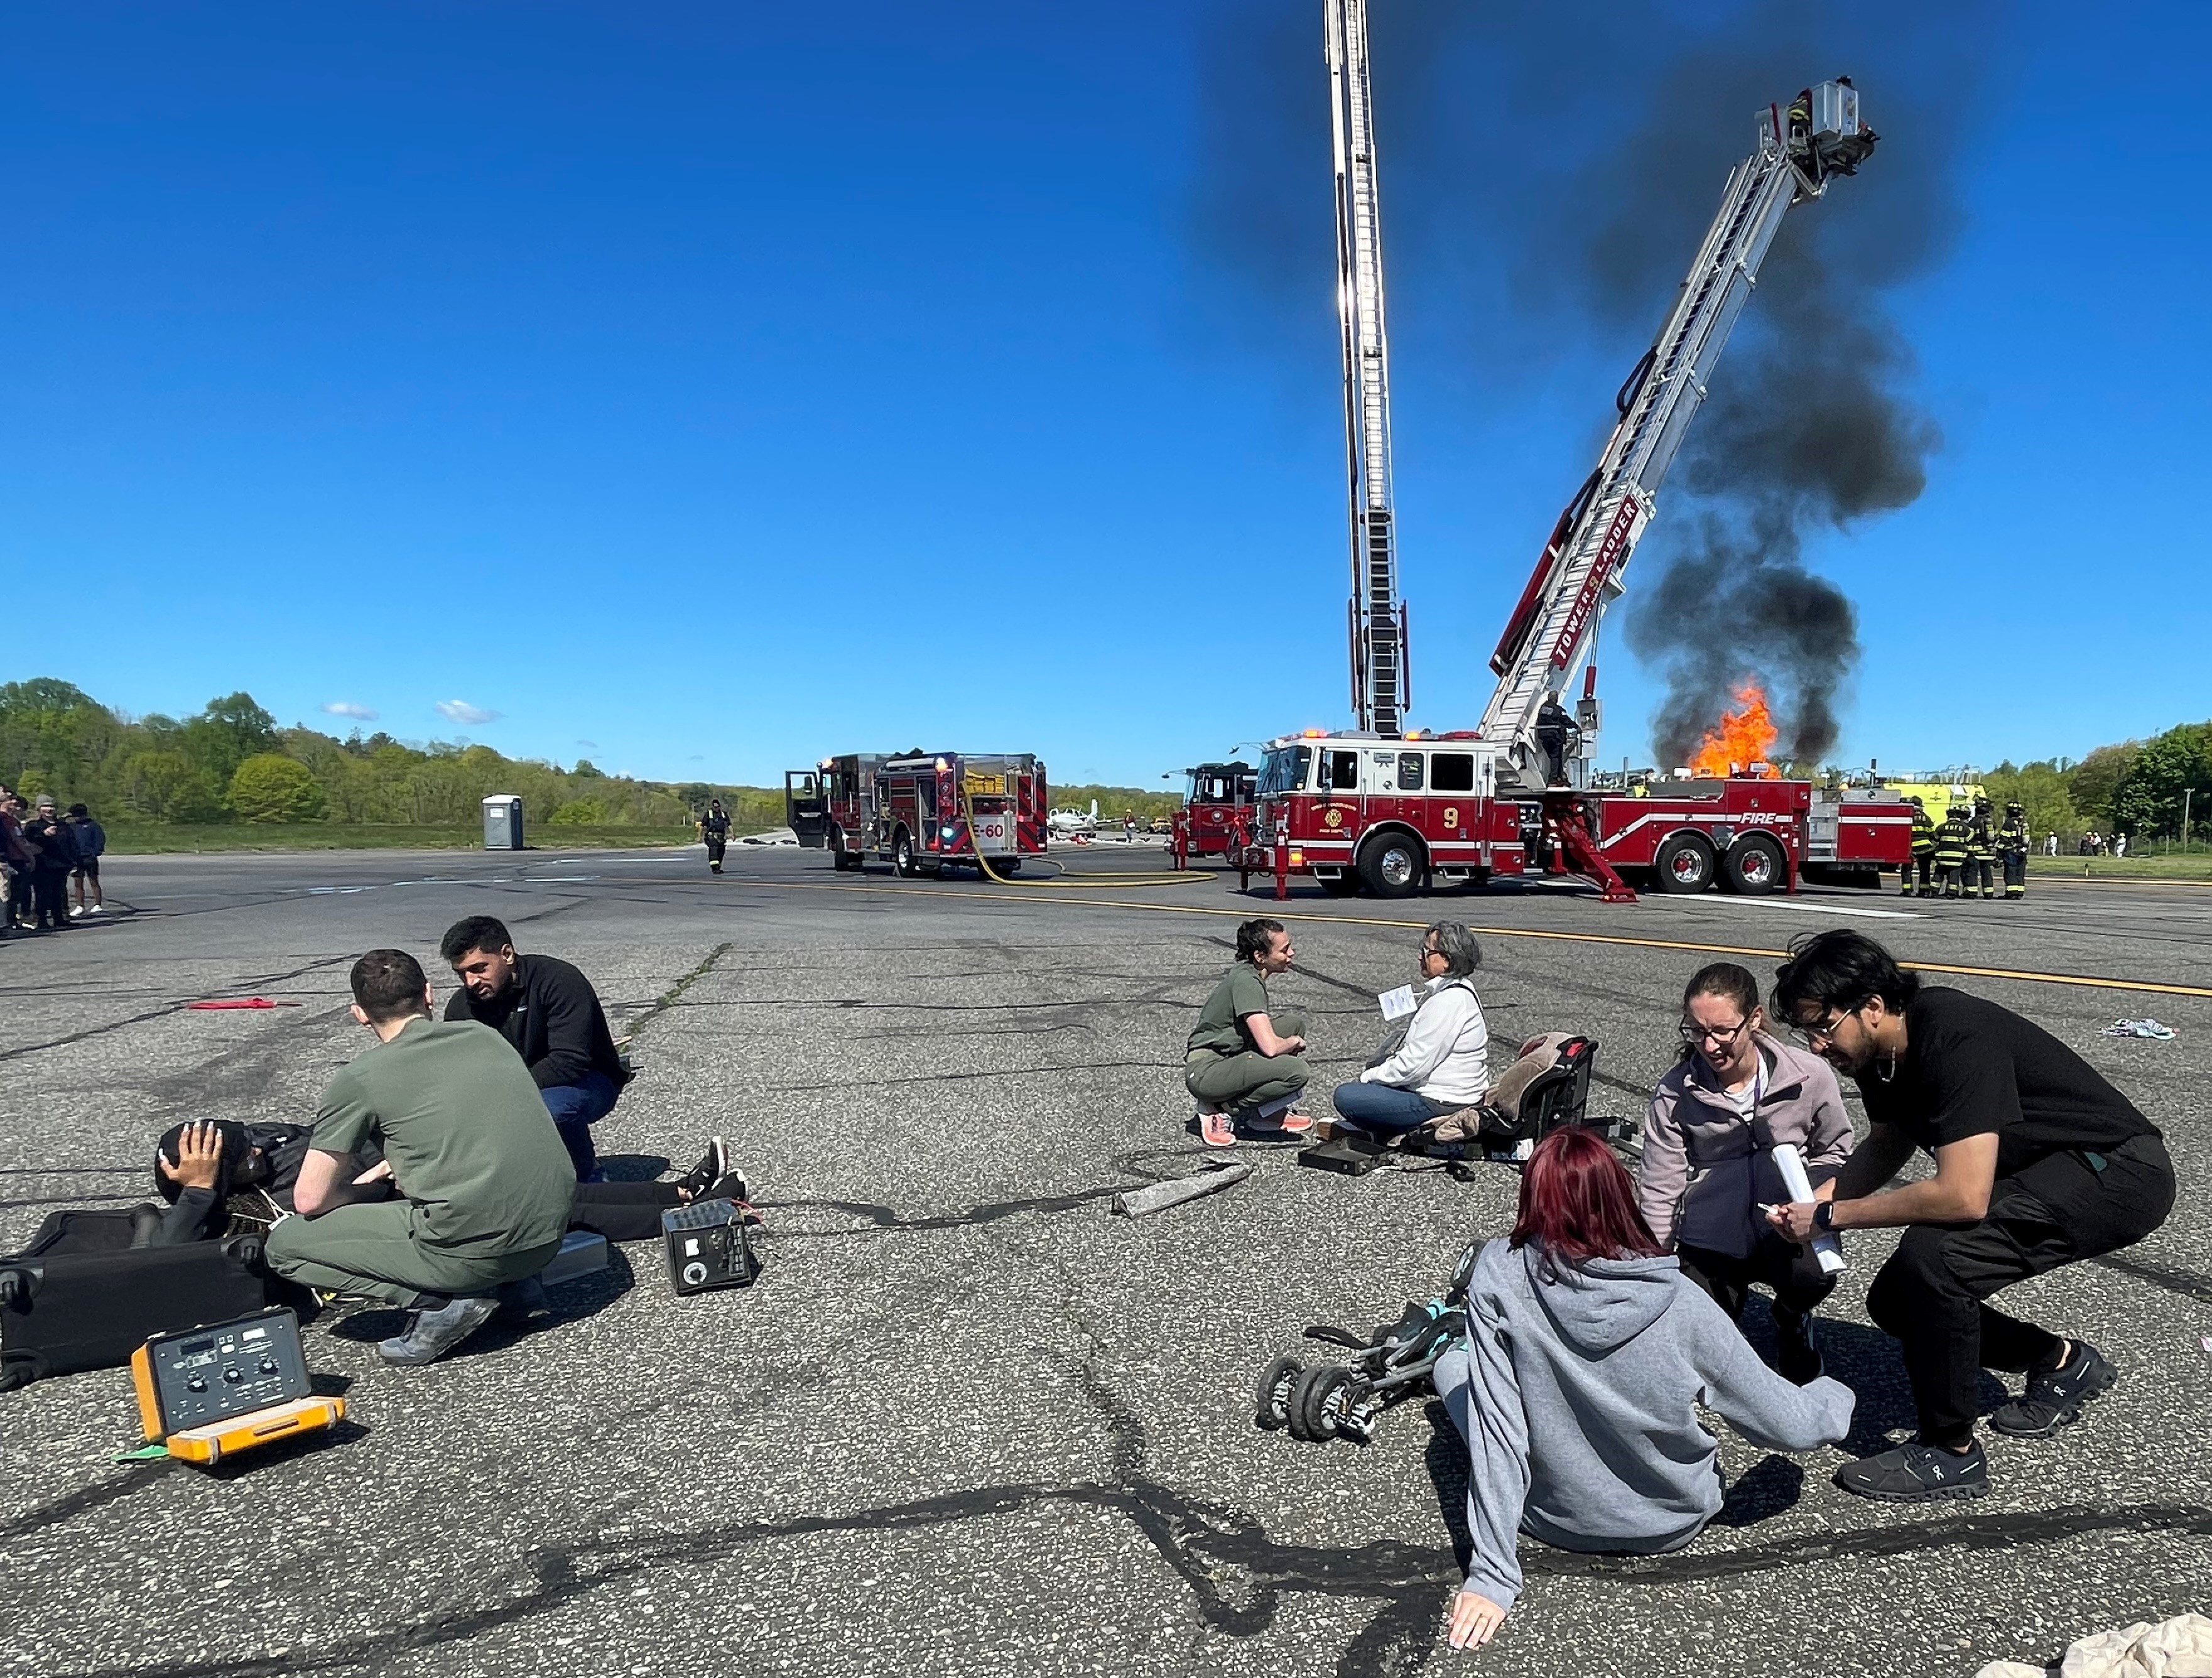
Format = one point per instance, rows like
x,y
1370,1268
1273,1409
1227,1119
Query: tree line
x,y
2138,788
229,762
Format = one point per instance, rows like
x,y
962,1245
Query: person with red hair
x,y
1588,1353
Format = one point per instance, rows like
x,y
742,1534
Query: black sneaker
x,y
2054,1397
1917,1474
710,1170
525,1298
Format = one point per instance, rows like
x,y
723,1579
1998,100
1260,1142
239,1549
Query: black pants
x,y
1924,860
2016,873
1933,1293
1790,1271
622,1211
715,848
51,889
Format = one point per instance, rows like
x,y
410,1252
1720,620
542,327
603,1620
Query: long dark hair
x,y
1577,1203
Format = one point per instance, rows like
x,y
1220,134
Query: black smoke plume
x,y
1547,171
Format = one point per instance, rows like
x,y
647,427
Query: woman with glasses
x,y
1708,1167
1440,1063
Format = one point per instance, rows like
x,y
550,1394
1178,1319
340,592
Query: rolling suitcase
x,y
80,1297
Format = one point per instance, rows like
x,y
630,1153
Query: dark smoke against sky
x,y
1547,171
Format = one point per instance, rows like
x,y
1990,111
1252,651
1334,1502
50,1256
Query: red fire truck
x,y
1217,808
1356,809
915,810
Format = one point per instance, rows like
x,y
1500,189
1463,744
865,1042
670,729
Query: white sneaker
x,y
77,911
97,908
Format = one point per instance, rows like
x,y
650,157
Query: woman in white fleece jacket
x,y
1442,1063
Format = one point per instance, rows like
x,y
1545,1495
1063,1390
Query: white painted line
x,y
1785,904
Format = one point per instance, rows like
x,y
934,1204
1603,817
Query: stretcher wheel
x,y
1320,1402
1271,1398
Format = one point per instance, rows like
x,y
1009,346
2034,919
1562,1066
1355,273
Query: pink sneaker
x,y
1217,1130
1294,1124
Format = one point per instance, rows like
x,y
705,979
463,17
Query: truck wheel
x,y
902,856
1008,865
1686,864
1754,867
1346,884
1392,865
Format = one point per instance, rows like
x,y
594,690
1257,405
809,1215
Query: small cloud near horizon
x,y
346,708
592,744
468,715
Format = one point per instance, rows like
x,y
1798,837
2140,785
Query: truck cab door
x,y
805,807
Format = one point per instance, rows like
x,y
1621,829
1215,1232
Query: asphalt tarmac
x,y
968,1420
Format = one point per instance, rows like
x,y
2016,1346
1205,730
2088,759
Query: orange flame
x,y
1741,741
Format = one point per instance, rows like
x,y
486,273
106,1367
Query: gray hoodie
x,y
1575,1393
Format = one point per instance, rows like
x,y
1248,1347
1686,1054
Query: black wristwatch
x,y
1824,1214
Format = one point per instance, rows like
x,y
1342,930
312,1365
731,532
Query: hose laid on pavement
x,y
1113,882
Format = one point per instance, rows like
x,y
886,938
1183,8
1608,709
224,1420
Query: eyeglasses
x,y
1721,1034
1428,950
1813,1036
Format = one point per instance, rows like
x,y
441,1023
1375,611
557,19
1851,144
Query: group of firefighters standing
x,y
1958,856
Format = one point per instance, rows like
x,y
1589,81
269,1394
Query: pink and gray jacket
x,y
1707,1166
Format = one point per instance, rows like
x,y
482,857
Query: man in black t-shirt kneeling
x,y
2039,1162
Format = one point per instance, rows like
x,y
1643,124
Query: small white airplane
x,y
1071,822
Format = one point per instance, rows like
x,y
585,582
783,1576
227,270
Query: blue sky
x,y
724,387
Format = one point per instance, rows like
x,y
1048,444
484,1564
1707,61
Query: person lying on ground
x,y
1588,1355
2039,1162
1708,1162
1439,1061
1245,1060
486,1186
550,1012
193,1171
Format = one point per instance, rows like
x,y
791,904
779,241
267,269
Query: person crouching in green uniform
x,y
485,1183
1245,1061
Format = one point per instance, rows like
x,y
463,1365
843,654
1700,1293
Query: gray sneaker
x,y
434,1333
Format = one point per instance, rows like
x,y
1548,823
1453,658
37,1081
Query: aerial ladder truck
x,y
1510,797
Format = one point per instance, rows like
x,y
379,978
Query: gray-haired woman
x,y
1442,1062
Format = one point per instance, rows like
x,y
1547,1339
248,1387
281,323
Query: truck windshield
x,y
1284,769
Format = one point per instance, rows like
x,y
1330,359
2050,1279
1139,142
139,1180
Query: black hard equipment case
x,y
80,1297
711,1243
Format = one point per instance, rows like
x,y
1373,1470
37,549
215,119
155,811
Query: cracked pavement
x,y
968,1420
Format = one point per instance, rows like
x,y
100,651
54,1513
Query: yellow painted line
x,y
2087,981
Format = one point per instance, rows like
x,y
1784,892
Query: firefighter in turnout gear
x,y
1923,851
1953,839
2012,851
1981,853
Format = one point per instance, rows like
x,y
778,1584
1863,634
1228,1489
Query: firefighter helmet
x,y
2016,810
1914,802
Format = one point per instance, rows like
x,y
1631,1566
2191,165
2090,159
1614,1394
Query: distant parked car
x,y
1162,824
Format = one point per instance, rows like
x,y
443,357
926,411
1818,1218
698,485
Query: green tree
x,y
585,770
269,786
226,732
579,812
2040,790
171,788
2149,799
2092,782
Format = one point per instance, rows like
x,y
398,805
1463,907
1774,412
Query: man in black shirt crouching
x,y
550,1013
2039,1162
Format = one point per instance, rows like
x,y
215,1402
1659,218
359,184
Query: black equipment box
x,y
64,1310
711,1244
1346,1153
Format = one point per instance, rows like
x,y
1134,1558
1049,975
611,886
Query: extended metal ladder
x,y
1801,149
1377,621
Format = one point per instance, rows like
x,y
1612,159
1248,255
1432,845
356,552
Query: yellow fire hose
x,y
1113,882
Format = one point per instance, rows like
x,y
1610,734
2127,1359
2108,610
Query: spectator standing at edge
x,y
1708,1162
2039,1162
17,858
1246,1059
57,857
91,845
484,1194
550,1012
714,828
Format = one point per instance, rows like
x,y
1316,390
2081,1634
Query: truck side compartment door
x,y
805,807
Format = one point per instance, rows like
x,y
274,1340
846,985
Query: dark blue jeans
x,y
576,1109
1384,1109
